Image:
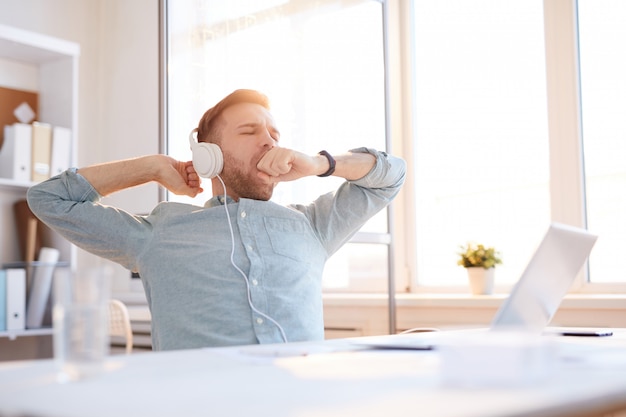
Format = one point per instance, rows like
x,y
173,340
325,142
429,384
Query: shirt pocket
x,y
290,238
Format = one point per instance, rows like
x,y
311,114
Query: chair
x,y
119,323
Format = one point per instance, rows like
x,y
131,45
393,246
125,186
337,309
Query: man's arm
x,y
282,164
178,177
352,166
338,215
68,203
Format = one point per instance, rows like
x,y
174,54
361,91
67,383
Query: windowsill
x,y
590,301
366,314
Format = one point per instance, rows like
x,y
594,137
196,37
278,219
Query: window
x,y
503,95
322,66
481,155
602,35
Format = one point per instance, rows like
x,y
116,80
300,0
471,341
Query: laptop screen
x,y
546,279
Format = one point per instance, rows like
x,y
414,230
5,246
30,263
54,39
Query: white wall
x,y
118,83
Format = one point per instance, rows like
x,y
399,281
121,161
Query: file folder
x,y
16,298
15,154
61,150
40,287
42,149
3,300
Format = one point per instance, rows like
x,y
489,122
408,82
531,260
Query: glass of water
x,y
81,328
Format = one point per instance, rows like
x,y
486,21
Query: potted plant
x,y
480,263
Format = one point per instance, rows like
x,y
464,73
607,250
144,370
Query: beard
x,y
242,181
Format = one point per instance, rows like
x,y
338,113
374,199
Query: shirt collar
x,y
218,200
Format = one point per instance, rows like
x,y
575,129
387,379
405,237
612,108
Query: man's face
x,y
248,131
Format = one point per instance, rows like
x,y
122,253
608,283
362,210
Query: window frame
x,y
567,187
567,195
363,237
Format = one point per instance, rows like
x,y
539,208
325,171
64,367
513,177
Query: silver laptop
x,y
546,279
536,296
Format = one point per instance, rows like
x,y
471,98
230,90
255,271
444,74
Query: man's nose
x,y
267,140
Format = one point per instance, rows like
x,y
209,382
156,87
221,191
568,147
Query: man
x,y
241,269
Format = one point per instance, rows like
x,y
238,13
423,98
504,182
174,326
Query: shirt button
x,y
259,320
243,214
255,282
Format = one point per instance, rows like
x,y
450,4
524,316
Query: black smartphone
x,y
584,332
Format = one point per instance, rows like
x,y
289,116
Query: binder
x,y
29,229
41,152
15,154
3,300
40,287
16,298
61,150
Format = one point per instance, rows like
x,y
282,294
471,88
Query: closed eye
x,y
253,129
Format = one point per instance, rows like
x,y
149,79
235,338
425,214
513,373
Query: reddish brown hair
x,y
208,127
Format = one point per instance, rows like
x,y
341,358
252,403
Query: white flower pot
x,y
481,280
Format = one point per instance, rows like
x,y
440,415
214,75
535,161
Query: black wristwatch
x,y
331,162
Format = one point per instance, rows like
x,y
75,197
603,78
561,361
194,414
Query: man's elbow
x,y
36,200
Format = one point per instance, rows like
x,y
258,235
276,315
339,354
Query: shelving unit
x,y
49,66
8,184
14,334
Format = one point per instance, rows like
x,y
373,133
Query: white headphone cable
x,y
243,274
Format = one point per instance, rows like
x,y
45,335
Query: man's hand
x,y
182,179
282,164
177,176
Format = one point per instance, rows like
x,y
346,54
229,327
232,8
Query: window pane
x,y
320,63
602,36
358,267
481,158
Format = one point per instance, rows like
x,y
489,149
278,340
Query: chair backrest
x,y
119,323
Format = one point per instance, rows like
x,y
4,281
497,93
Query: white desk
x,y
332,379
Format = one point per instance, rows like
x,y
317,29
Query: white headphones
x,y
208,160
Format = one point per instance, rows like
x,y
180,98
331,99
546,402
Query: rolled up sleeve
x,y
338,215
69,204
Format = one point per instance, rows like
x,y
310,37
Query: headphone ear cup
x,y
208,160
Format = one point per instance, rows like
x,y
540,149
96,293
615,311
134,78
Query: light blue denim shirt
x,y
182,252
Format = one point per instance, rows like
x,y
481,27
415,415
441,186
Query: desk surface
x,y
332,378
